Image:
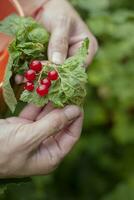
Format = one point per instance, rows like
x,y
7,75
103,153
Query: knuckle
x,y
64,40
22,139
60,43
63,19
10,139
25,139
54,162
59,121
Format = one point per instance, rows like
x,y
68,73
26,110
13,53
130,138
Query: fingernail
x,y
72,112
57,58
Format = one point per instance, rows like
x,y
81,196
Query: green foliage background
x,y
101,166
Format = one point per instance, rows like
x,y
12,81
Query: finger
x,y
65,141
47,109
19,79
76,41
53,150
74,48
49,125
30,112
16,120
3,121
93,47
60,144
58,45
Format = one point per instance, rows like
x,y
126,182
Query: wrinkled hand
x,y
67,31
35,142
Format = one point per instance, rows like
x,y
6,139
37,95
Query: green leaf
x,y
39,35
32,97
31,49
10,25
8,92
13,24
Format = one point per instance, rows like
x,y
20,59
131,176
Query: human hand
x,y
35,142
67,30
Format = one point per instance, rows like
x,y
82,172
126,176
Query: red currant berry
x,y
36,65
53,75
29,86
46,82
30,75
42,90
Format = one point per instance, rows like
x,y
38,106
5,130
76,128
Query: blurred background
x,y
101,166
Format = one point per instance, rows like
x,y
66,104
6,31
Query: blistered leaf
x,y
39,35
8,92
10,25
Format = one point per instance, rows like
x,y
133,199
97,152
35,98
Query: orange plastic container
x,y
3,63
7,7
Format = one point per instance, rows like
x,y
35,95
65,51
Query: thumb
x,y
49,125
58,45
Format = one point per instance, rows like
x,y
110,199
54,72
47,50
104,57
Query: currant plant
x,y
62,85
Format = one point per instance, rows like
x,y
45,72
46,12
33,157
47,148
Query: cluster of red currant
x,y
43,88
